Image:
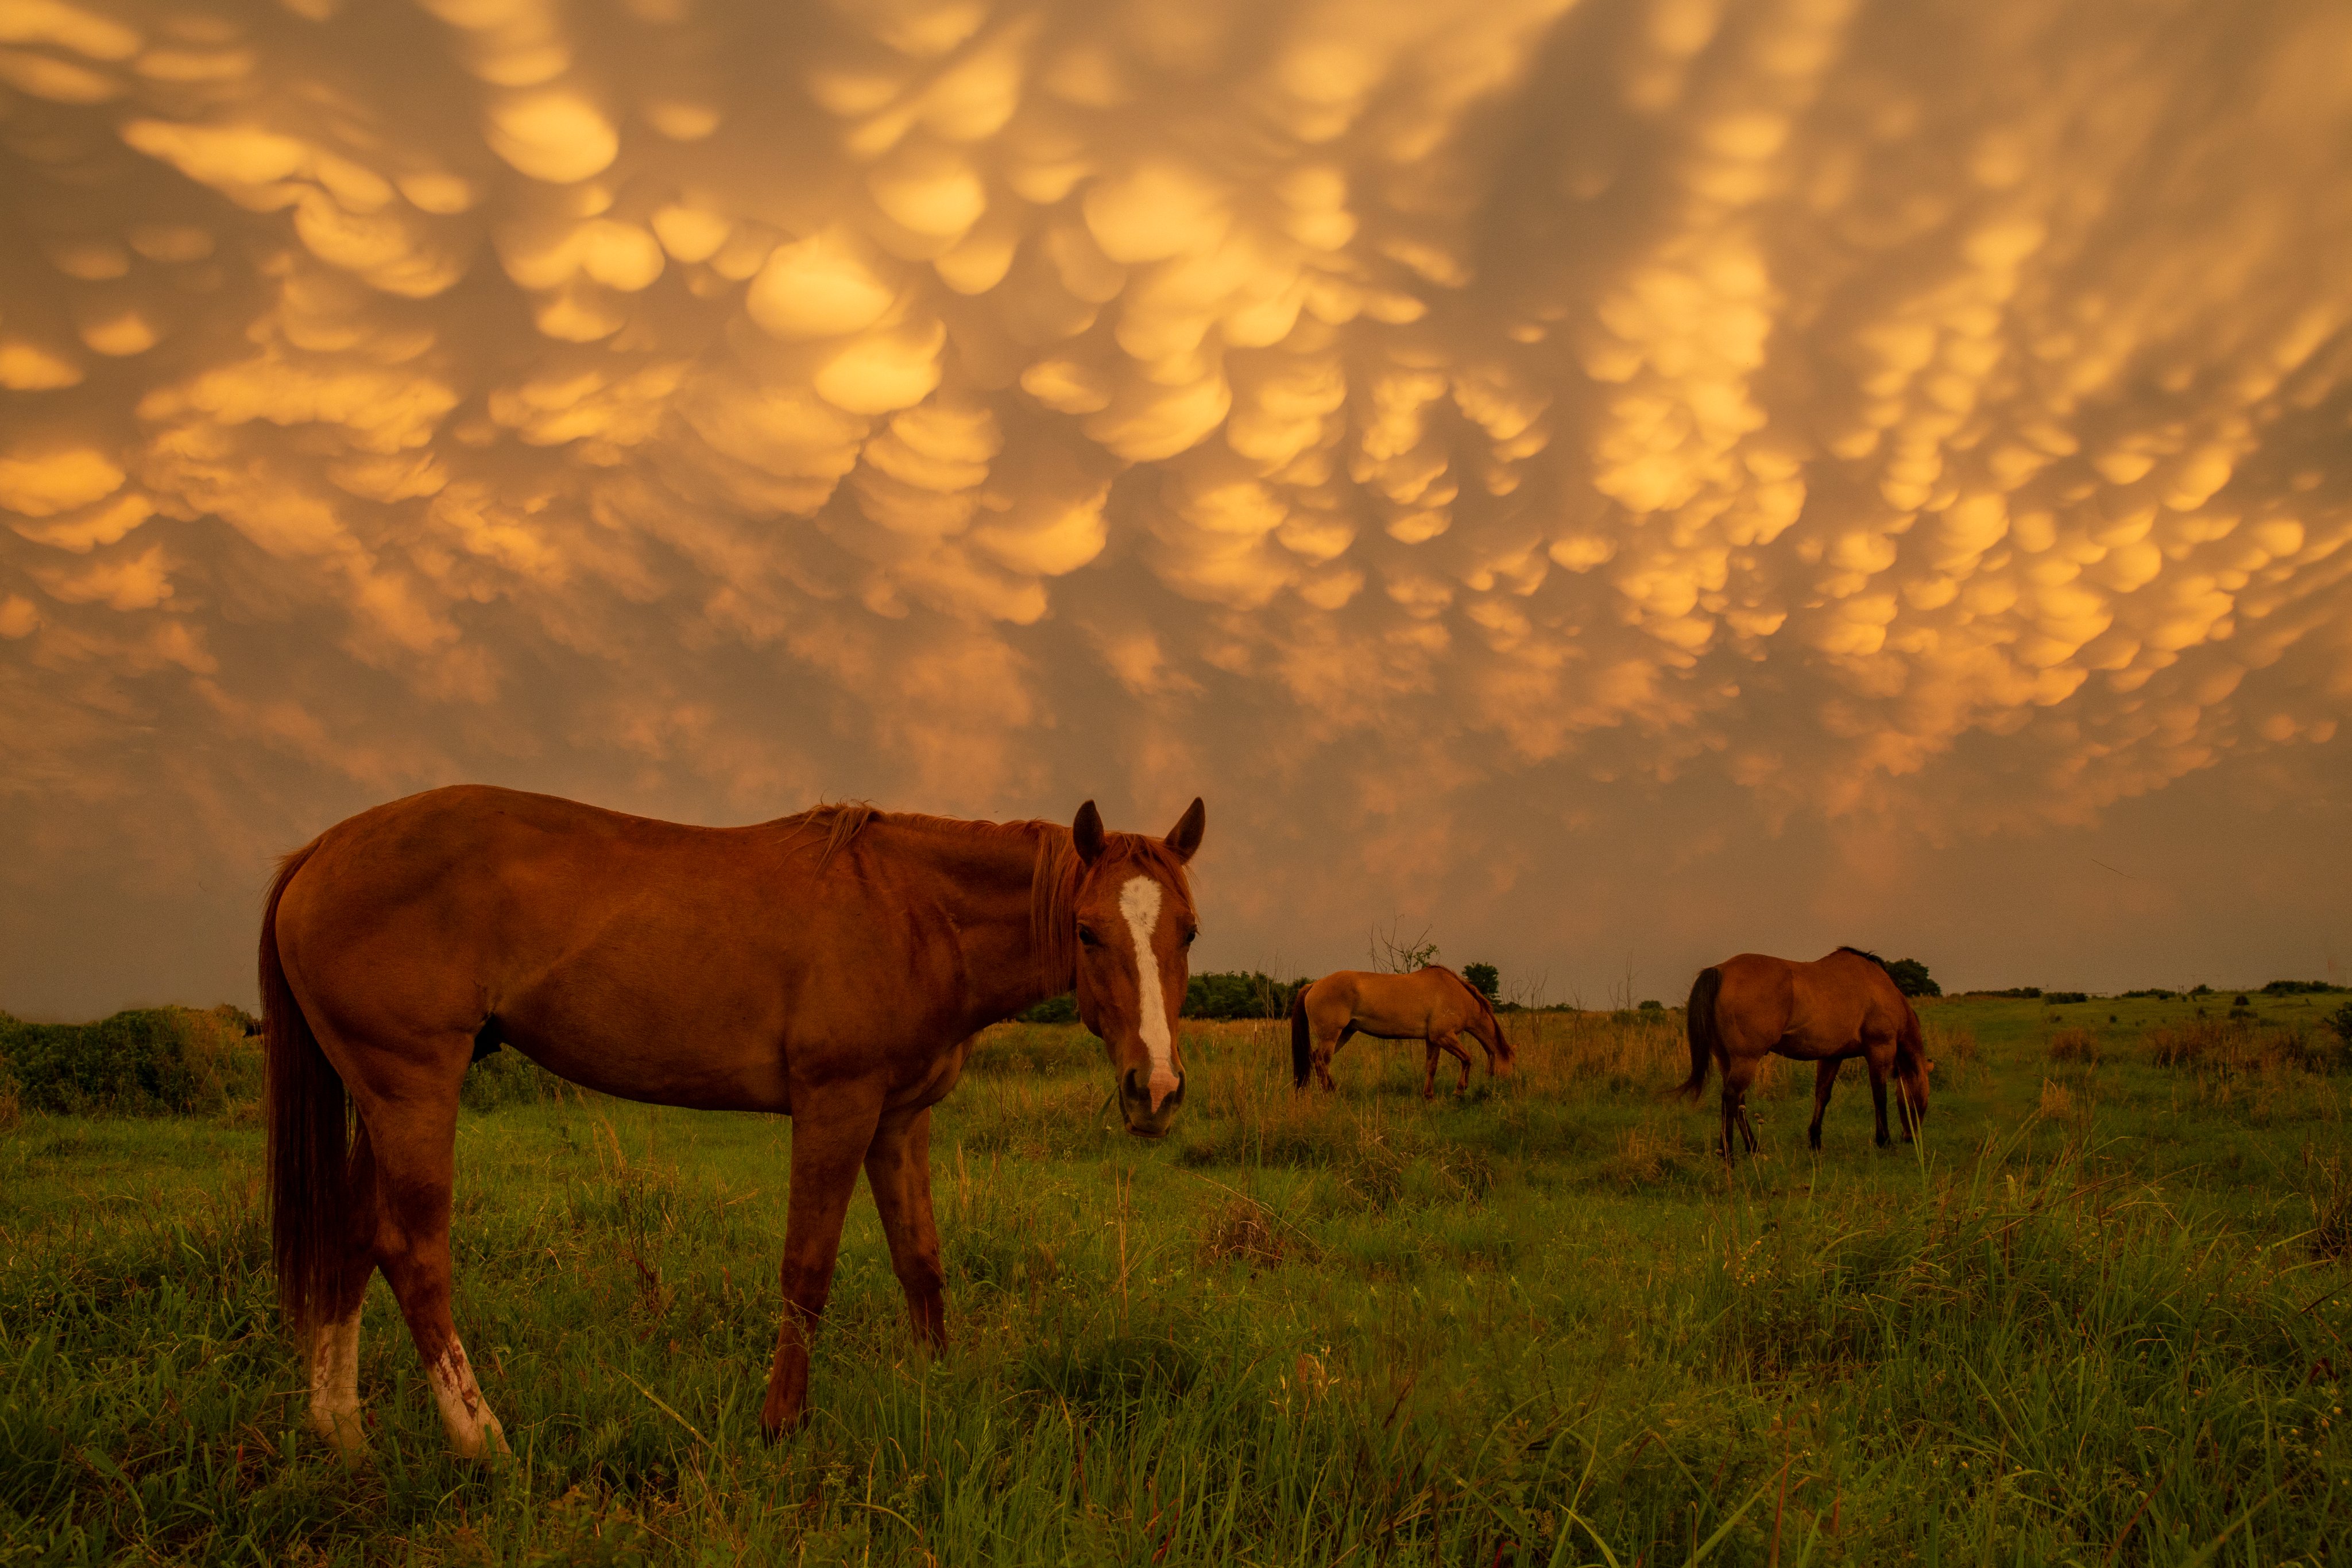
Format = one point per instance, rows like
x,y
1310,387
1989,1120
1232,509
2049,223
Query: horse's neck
x,y
984,881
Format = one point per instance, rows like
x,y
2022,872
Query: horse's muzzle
x,y
1135,1105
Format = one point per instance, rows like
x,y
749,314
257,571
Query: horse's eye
x,y
1190,932
1088,938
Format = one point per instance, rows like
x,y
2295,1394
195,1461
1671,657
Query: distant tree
x,y
1652,1006
1063,1009
2298,989
1399,955
1238,994
1911,977
1486,979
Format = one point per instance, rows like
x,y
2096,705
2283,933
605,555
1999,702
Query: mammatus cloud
x,y
1407,417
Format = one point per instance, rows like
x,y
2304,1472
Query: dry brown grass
x,y
2077,1044
1244,1231
1643,1155
1952,1048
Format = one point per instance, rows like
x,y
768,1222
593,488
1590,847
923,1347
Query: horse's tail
x,y
1698,1019
1302,1039
309,1165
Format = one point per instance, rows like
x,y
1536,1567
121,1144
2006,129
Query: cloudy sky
x,y
1610,482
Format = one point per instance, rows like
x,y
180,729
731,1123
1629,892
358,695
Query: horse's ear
x,y
1086,833
1185,838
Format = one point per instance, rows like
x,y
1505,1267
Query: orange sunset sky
x,y
1615,481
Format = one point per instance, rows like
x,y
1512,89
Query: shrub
x,y
1911,977
1651,1006
1485,980
2298,989
1063,1009
2340,1020
2059,999
149,1062
1237,994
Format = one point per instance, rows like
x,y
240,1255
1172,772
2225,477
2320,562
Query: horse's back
x,y
601,943
1386,1006
1817,1007
456,870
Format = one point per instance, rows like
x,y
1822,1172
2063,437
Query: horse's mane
x,y
1054,866
1486,1006
1866,953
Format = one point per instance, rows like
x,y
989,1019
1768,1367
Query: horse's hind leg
x,y
407,1097
1738,1073
1825,1077
899,1169
334,1339
1323,1054
1429,1071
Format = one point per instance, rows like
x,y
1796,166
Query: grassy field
x,y
2098,1316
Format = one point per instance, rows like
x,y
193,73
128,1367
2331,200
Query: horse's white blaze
x,y
464,1411
1139,902
335,1383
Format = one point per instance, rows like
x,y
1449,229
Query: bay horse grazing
x,y
1431,1004
833,966
1844,1006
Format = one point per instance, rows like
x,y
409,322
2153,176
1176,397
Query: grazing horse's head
x,y
1136,925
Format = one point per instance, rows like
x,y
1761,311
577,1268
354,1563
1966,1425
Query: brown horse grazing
x,y
1843,1006
833,966
1431,1004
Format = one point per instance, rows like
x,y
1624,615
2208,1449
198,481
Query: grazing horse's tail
x,y
1698,1018
309,1167
1302,1041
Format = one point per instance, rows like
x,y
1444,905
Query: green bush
x,y
1063,1009
149,1062
1911,977
1485,980
1238,994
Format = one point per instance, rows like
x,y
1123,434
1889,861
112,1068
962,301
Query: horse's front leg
x,y
1825,1077
1881,1058
899,1169
1450,1043
832,1130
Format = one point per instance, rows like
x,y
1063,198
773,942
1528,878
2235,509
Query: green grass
x,y
2098,1316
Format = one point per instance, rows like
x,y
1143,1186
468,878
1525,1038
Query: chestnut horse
x,y
833,966
1431,1004
1843,1006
